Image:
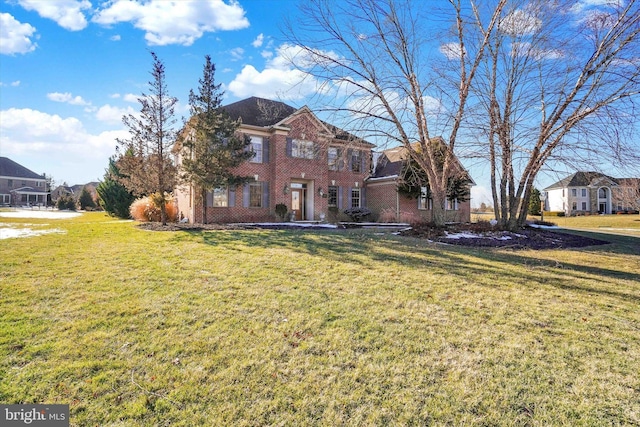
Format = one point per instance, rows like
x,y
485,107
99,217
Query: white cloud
x,y
174,22
258,41
266,54
451,50
130,97
583,5
55,145
67,13
115,38
12,84
236,53
67,98
110,114
519,23
15,37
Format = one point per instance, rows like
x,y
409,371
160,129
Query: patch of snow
x,y
28,213
463,235
289,224
9,233
545,227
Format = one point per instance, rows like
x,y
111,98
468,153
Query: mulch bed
x,y
528,238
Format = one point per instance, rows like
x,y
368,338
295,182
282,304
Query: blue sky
x,y
70,69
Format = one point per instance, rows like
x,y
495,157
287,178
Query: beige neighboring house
x,y
20,186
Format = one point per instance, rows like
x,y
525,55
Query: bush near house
x,y
146,209
357,214
66,203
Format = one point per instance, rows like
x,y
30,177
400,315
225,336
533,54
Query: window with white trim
x,y
452,205
333,157
256,146
333,195
303,149
356,161
584,192
355,197
255,195
220,197
574,192
584,206
424,202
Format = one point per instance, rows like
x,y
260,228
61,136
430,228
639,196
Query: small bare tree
x,y
558,84
145,163
627,194
376,52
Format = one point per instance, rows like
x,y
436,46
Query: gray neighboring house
x,y
586,193
20,186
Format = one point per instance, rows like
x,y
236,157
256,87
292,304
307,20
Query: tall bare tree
x,y
558,84
377,53
145,162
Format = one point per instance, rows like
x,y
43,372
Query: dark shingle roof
x,y
10,168
579,179
259,111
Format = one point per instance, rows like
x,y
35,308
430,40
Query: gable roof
x,y
12,169
259,111
390,162
581,179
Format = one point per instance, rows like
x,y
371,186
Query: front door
x,y
297,203
603,208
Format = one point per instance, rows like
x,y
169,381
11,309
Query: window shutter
x,y
265,194
209,198
265,150
349,199
349,160
232,197
340,198
316,150
363,197
362,162
289,146
245,195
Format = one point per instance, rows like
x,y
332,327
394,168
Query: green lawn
x,y
253,328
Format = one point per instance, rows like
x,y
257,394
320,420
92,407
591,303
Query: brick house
x,y
388,204
312,167
21,186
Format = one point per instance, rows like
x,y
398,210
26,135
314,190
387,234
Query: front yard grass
x,y
271,327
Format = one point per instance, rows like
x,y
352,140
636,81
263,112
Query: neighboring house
x,y
20,186
387,203
314,168
588,193
74,191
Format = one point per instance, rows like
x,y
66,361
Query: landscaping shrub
x,y
410,218
146,209
281,210
357,214
66,203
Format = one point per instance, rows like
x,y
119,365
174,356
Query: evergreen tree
x,y
115,199
86,200
210,145
534,202
148,169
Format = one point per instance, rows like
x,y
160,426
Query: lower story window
x,y
355,197
452,205
333,195
220,197
255,195
424,202
584,206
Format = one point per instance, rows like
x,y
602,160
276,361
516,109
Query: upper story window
x,y
333,155
10,183
584,192
574,192
257,147
356,161
602,193
303,149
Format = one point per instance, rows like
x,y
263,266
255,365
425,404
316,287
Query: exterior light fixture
x,y
286,189
256,177
302,174
320,192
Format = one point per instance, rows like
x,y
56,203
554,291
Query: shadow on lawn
x,y
459,263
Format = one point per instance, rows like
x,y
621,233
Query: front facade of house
x,y
313,168
20,186
587,193
389,205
